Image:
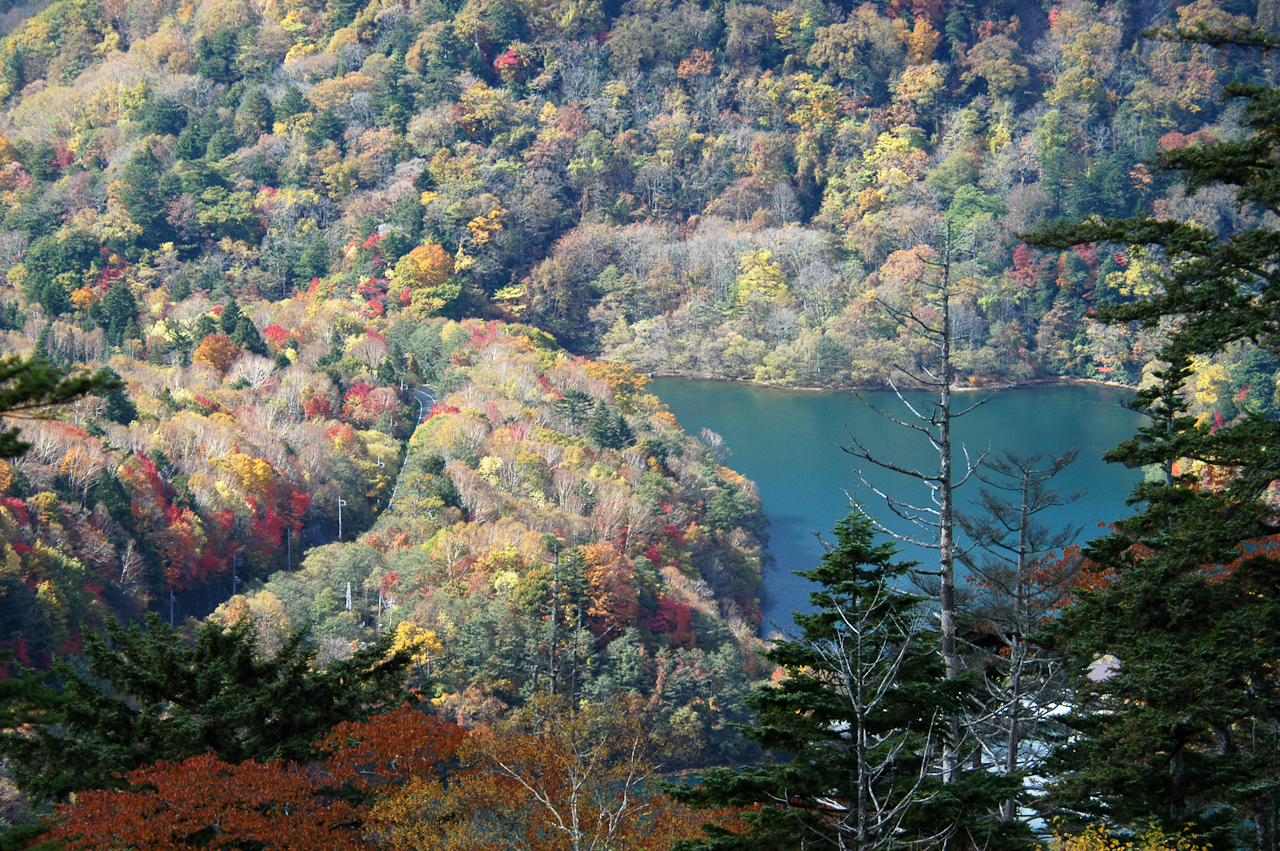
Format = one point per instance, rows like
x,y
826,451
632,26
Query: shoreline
x,y
959,388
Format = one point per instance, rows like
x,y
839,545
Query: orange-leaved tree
x,y
553,777
392,749
428,272
218,351
205,802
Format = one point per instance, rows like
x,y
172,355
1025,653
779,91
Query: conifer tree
x,y
601,426
28,385
862,715
118,313
230,317
246,336
204,326
1183,730
139,194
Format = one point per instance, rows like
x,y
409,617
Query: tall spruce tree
x,y
1186,729
859,725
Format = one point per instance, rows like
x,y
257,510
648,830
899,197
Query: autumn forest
x,y
336,510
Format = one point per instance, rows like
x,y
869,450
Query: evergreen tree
x,y
41,350
118,407
194,141
327,125
858,724
221,143
394,100
216,55
181,287
55,261
204,326
139,194
246,336
118,312
229,319
162,117
257,114
148,695
623,436
314,262
292,103
573,406
600,428
441,74
1183,730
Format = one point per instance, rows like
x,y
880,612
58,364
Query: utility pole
x,y
341,502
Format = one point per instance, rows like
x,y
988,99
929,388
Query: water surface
x,y
790,443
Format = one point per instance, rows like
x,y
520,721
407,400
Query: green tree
x,y
394,99
861,714
229,319
148,695
118,407
203,327
574,406
139,193
608,430
1184,729
246,336
257,116
118,313
55,259
292,103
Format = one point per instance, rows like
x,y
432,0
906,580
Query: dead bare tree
x,y
1022,577
928,320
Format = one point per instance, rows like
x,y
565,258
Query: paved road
x,y
426,397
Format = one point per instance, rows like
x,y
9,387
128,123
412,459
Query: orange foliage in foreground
x,y
203,801
406,780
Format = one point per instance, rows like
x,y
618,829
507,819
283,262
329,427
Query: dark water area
x,y
789,443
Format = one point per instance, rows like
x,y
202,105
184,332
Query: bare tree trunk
x,y
934,420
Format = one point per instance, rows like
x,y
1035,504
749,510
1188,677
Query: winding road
x,y
426,396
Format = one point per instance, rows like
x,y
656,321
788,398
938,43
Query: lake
x,y
789,442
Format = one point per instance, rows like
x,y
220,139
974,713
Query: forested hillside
x,y
263,224
552,531
732,190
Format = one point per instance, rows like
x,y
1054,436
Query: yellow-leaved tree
x,y
553,777
427,271
762,279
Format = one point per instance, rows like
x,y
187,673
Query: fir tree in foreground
x,y
28,385
858,725
1187,730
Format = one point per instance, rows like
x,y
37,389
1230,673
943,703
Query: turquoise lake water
x,y
789,443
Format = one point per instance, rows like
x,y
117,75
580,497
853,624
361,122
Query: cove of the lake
x,y
789,443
